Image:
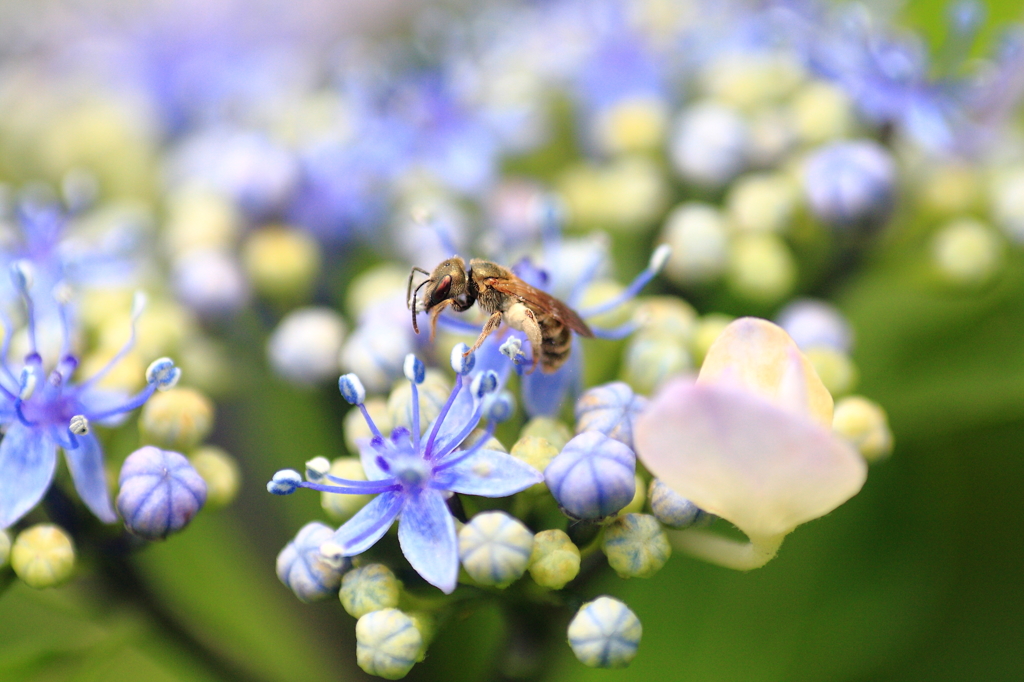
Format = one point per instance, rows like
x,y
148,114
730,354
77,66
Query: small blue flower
x,y
42,413
413,475
160,492
851,184
594,476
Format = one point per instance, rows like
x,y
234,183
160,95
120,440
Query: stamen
x,y
21,273
428,451
615,333
656,263
373,489
469,452
136,401
138,304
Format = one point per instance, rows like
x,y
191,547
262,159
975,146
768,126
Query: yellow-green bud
x,y
551,430
667,315
821,112
198,218
761,267
604,633
699,238
538,453
281,263
639,497
636,545
221,473
355,426
709,328
762,202
369,588
555,560
5,548
433,393
650,359
835,368
338,506
865,425
177,419
388,643
634,124
495,548
967,252
952,188
43,556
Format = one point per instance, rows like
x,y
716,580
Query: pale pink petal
x,y
761,357
734,454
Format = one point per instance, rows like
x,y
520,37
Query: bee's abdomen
x,y
557,342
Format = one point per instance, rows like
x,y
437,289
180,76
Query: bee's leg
x,y
492,323
434,312
532,330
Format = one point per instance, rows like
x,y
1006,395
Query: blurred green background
x,y
917,578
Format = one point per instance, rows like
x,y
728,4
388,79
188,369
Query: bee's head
x,y
448,280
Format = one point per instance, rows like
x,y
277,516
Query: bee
x,y
547,322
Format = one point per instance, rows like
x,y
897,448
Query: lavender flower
x,y
413,477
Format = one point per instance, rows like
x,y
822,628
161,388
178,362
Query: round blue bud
x,y
816,323
594,476
851,184
499,407
672,509
610,409
305,571
284,482
160,492
604,633
352,389
414,369
484,383
163,374
461,363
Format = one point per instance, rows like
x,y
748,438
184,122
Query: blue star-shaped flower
x,y
413,476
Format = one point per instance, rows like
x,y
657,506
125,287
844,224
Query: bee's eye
x,y
440,292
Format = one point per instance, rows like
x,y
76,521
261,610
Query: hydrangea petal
x,y
487,473
368,458
368,525
736,455
27,461
86,465
760,356
426,533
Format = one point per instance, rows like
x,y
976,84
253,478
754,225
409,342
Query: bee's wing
x,y
546,302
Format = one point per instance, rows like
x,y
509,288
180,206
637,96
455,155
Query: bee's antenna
x,y
410,298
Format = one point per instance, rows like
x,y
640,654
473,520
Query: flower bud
x,y
555,560
604,633
43,556
495,548
835,368
179,418
593,476
536,452
305,346
553,431
865,425
342,507
814,323
821,112
369,588
672,509
633,124
388,643
668,315
851,184
700,243
761,267
426,623
709,144
160,492
210,282
220,472
966,252
609,409
636,546
762,202
281,263
305,571
651,358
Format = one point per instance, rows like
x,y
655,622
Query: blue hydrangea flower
x,y
413,475
41,413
